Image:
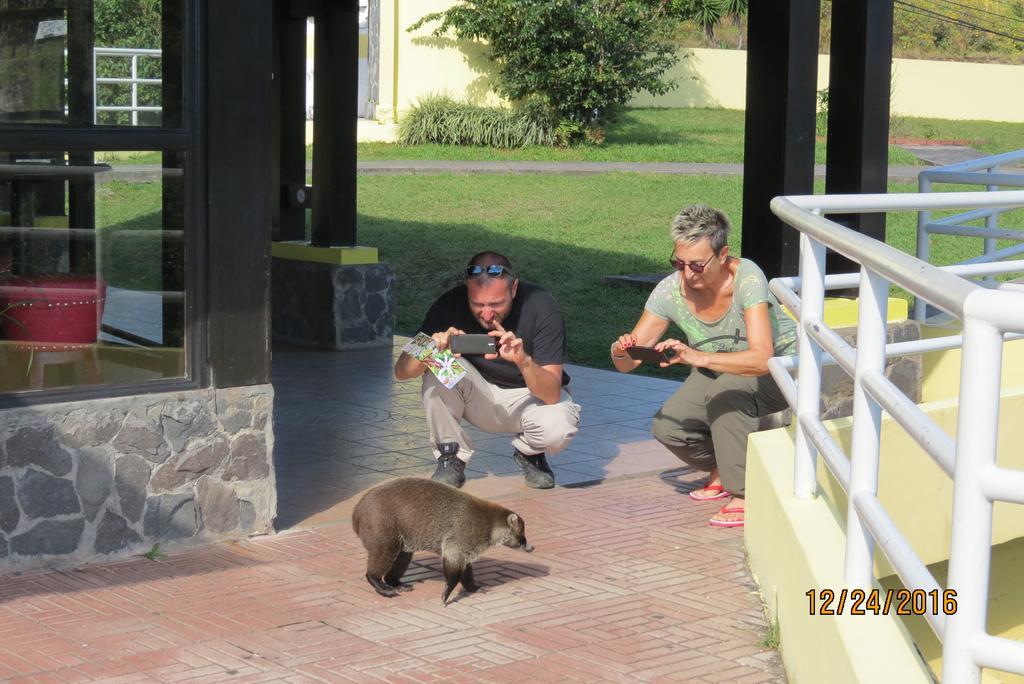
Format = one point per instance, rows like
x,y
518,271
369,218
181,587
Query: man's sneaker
x,y
450,468
536,471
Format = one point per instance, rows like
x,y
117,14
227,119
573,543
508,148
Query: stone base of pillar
x,y
332,306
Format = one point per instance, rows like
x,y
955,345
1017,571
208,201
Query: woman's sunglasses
x,y
492,271
694,266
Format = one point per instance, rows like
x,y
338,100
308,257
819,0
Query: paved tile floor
x,y
628,582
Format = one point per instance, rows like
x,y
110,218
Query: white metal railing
x,y
133,79
986,172
988,312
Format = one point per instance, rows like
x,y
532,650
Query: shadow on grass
x,y
428,258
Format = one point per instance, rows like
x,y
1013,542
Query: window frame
x,y
190,139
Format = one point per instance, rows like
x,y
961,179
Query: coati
x,y
409,514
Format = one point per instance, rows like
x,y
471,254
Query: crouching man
x,y
521,389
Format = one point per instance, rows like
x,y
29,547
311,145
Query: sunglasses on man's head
x,y
492,271
694,266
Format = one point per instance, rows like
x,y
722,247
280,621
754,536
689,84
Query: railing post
x,y
970,544
991,221
812,307
95,90
924,217
867,425
135,90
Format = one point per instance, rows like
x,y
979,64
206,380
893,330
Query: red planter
x,y
60,308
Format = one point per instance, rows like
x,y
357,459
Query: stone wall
x,y
333,307
906,372
97,479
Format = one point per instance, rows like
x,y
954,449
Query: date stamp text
x,y
881,602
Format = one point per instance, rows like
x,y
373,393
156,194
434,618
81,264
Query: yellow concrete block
x,y
795,546
51,222
941,370
341,256
40,221
842,313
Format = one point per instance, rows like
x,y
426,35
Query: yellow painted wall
x,y
941,370
795,546
707,78
425,64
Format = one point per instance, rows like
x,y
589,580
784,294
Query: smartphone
x,y
650,354
472,344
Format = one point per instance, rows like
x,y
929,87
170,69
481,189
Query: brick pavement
x,y
628,582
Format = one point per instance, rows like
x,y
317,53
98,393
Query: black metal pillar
x,y
858,110
335,86
239,69
288,144
172,102
81,82
778,155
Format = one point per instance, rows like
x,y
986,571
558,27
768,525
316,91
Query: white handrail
x,y
983,172
134,80
991,312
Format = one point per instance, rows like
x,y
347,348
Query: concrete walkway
x,y
148,172
896,173
628,581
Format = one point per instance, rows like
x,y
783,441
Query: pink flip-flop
x,y
728,523
711,487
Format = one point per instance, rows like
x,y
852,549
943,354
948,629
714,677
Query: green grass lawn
x,y
129,220
991,137
564,232
641,135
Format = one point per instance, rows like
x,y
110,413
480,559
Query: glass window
x,y
115,62
92,262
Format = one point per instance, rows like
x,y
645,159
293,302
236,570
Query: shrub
x,y
440,119
581,58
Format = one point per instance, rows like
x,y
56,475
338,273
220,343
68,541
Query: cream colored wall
x,y
707,78
795,546
426,65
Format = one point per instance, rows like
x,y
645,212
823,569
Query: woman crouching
x,y
733,325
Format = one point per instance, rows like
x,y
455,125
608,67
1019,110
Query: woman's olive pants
x,y
707,421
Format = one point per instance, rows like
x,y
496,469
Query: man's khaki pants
x,y
538,427
707,421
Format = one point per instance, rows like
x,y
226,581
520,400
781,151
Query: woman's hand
x,y
623,343
685,355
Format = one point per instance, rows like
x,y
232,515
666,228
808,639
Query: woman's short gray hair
x,y
701,221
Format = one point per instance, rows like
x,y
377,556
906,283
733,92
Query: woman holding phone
x,y
732,325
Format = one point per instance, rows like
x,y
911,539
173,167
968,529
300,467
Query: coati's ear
x,y
513,521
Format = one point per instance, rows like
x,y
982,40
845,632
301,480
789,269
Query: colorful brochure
x,y
448,369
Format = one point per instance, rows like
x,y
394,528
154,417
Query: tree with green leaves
x,y
127,24
708,14
581,58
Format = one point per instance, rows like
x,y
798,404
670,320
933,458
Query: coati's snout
x,y
515,538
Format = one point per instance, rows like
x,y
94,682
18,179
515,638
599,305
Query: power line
x,y
978,9
924,11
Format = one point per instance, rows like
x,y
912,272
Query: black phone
x,y
472,344
650,354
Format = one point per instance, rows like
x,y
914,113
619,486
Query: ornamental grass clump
x,y
582,59
442,120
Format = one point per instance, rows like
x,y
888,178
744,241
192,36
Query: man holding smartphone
x,y
519,389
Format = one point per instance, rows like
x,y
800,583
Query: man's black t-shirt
x,y
535,318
